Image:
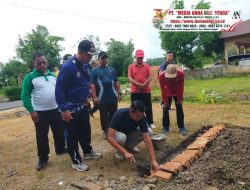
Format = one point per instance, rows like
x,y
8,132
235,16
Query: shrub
x,y
209,97
13,92
123,80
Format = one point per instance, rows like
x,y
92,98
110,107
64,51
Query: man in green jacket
x,y
38,96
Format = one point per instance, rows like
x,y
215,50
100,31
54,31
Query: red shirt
x,y
139,73
172,87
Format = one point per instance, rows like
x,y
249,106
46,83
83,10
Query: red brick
x,y
210,134
196,146
215,131
220,127
183,160
199,152
204,138
163,175
172,167
194,153
189,157
203,142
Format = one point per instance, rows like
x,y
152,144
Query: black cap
x,y
87,46
66,57
102,54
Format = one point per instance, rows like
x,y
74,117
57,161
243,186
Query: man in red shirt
x,y
172,86
140,75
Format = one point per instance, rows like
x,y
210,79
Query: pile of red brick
x,y
188,156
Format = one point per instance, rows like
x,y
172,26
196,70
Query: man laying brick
x,y
127,129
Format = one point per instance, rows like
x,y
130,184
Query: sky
x,y
121,20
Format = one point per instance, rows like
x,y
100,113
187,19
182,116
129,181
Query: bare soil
x,y
225,164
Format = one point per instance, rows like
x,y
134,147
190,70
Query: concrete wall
x,y
212,72
217,71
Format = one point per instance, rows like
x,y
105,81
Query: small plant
x,y
236,62
209,97
123,80
13,92
39,174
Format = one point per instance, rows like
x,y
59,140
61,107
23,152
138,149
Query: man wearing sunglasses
x,y
38,96
72,91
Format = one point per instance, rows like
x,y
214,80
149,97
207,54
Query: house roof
x,y
240,29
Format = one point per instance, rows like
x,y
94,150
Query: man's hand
x,y
119,97
129,157
95,100
35,117
142,86
154,165
146,83
66,116
179,103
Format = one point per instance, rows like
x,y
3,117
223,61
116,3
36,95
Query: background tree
x,y
39,40
192,48
155,61
120,55
11,71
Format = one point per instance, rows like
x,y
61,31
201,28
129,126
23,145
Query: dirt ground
x,y
225,164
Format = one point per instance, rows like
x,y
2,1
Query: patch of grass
x,y
219,90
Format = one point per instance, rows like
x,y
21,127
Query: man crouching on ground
x,y
127,129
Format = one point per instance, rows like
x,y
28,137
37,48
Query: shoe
x,y
119,156
164,131
183,131
133,149
80,167
152,126
92,155
65,150
41,165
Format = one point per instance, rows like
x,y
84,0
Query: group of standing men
x,y
61,103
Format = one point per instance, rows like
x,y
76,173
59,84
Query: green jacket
x,y
37,91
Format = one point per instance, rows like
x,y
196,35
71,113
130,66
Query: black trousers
x,y
107,111
179,114
146,99
53,119
79,130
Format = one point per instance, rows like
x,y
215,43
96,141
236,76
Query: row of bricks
x,y
187,157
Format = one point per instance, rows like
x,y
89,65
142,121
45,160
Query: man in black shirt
x,y
128,128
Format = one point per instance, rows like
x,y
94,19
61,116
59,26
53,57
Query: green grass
x,y
218,90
